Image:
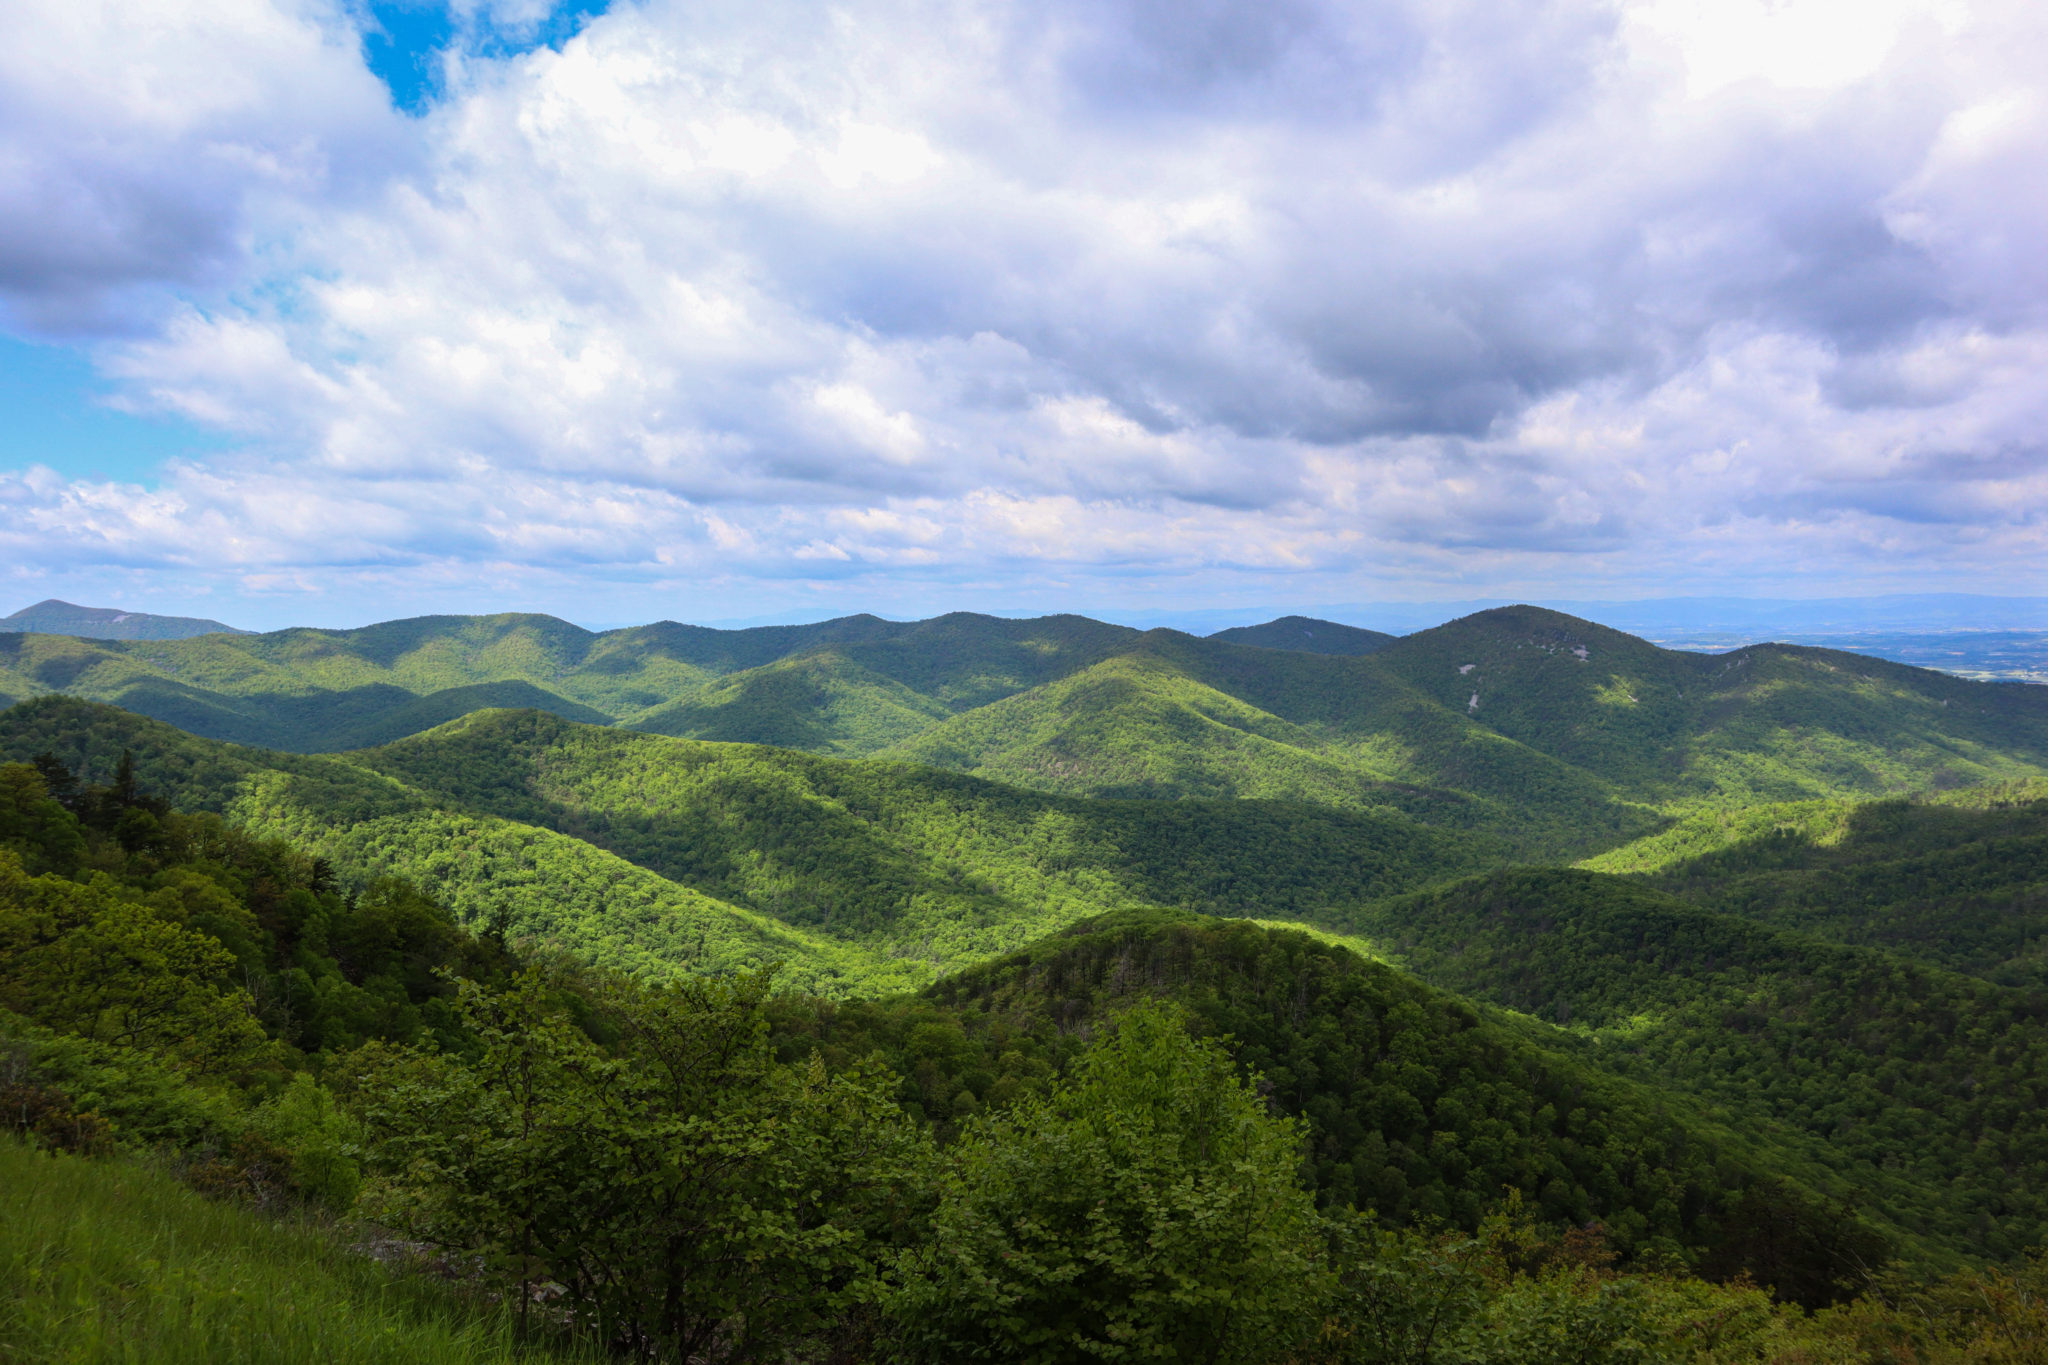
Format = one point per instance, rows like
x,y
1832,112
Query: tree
x,y
1149,1208
696,1199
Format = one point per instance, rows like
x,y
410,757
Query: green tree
x,y
1148,1208
694,1198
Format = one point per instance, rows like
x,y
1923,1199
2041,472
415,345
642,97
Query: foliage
x,y
1561,731
1146,1209
696,1199
1960,885
1413,1103
647,853
1924,1091
168,982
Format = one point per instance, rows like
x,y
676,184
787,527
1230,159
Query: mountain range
x,y
1788,905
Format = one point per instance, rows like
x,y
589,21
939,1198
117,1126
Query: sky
x,y
324,312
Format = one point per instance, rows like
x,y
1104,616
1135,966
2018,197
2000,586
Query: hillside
x,y
1765,723
1557,736
1925,1090
657,853
173,987
1957,879
318,691
52,617
520,879
1417,1104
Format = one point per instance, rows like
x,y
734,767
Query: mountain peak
x,y
53,616
1306,634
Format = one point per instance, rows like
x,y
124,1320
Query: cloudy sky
x,y
325,312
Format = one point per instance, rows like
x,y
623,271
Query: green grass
x,y
102,1261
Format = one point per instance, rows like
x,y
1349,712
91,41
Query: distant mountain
x,y
53,617
1564,735
1309,635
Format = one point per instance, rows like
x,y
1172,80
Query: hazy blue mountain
x,y
52,617
1307,634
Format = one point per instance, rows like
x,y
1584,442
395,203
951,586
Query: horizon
x,y
1661,619
720,313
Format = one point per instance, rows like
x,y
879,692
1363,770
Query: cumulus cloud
x,y
139,145
1569,292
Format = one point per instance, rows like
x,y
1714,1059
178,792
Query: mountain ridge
x,y
53,616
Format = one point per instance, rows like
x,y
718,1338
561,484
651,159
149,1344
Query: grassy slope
x,y
106,1262
1925,1089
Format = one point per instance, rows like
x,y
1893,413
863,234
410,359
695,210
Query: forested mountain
x,y
1545,735
1786,1014
1913,1083
655,853
876,1179
53,617
1569,728
1307,634
328,690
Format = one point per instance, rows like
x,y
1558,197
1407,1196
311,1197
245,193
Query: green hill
x,y
1847,1068
1307,634
1181,717
656,853
822,701
1959,880
325,690
1559,736
491,872
1765,723
1417,1104
1923,1089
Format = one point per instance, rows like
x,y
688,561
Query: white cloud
x,y
140,143
1543,294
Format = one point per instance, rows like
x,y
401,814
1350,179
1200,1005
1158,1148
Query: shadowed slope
x,y
652,852
1925,1089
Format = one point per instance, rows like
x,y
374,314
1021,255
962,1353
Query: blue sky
x,y
319,311
60,412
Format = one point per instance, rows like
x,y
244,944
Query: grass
x,y
107,1261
